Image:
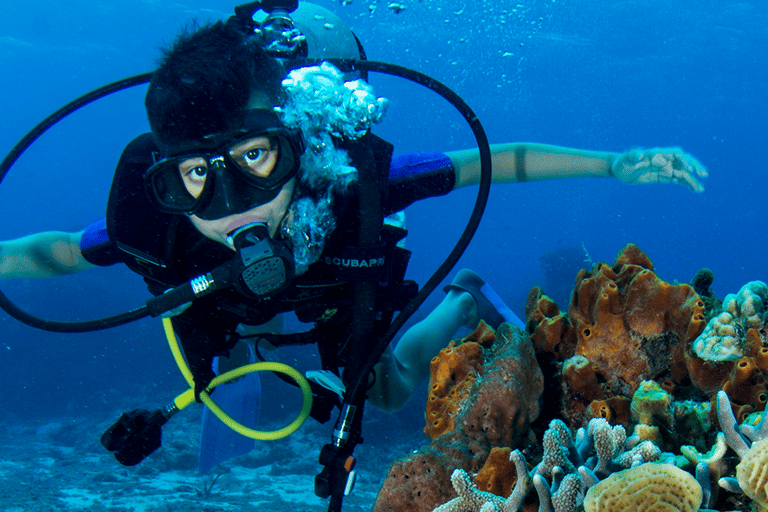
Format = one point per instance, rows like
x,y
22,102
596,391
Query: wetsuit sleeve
x,y
416,176
96,246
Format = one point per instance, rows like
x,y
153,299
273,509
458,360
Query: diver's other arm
x,y
532,162
47,254
660,165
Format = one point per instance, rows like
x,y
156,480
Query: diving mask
x,y
229,173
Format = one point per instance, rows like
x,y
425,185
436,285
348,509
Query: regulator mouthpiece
x,y
265,265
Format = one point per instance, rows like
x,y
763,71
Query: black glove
x,y
134,436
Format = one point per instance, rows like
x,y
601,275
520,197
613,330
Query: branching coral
x,y
750,442
571,465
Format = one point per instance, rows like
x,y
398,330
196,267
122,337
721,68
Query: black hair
x,y
204,81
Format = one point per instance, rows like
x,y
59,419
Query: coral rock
x,y
645,487
497,413
418,482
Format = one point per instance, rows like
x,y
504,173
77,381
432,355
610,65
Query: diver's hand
x,y
660,165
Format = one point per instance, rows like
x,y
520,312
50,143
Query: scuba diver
x,y
229,170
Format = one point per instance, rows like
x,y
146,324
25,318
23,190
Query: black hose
x,y
381,67
5,166
357,393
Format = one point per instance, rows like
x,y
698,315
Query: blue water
x,y
596,75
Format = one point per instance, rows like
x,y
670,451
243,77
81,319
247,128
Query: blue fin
x,y
239,399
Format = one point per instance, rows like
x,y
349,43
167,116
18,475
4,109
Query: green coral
x,y
651,405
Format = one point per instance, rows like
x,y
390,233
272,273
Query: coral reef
x,y
630,352
571,465
624,325
497,411
645,487
750,442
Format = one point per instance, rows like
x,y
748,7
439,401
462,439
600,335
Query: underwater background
x,y
593,75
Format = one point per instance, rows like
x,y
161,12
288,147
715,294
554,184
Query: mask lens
x,y
169,188
255,156
193,172
265,161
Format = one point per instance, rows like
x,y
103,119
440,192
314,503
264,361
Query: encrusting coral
x,y
496,411
454,372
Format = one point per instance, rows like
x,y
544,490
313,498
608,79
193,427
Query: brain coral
x,y
751,472
648,487
725,338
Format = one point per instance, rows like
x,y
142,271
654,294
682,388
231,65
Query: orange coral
x,y
616,410
498,475
550,328
454,372
706,375
628,324
746,387
483,334
580,387
631,324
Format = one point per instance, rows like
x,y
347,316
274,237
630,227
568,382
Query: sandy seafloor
x,y
60,465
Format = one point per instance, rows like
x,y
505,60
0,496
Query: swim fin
x,y
240,399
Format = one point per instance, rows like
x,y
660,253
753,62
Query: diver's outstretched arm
x,y
47,254
531,162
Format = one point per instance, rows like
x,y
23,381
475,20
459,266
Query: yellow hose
x,y
188,396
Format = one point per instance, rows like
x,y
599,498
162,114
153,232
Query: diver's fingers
x,y
689,180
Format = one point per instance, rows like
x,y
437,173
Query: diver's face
x,y
270,213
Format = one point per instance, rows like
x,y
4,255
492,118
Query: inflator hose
x,y
188,396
